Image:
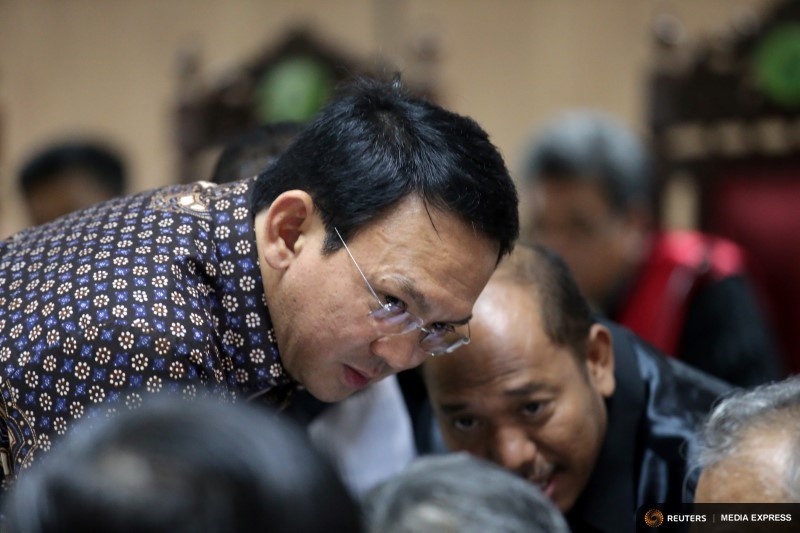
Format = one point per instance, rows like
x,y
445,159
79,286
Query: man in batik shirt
x,y
355,255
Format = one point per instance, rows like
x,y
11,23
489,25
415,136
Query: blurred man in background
x,y
248,154
589,184
70,176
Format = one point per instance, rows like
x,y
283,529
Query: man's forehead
x,y
505,372
409,288
576,193
491,392
436,223
432,269
476,371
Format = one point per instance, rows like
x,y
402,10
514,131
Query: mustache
x,y
538,472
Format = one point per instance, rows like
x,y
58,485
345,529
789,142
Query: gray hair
x,y
459,493
770,407
592,145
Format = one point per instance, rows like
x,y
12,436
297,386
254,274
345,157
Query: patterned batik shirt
x,y
158,292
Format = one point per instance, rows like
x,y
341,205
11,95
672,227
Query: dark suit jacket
x,y
652,416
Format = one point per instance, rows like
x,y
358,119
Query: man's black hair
x,y
250,153
183,466
565,313
103,163
373,146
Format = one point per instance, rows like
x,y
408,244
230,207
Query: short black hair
x,y
183,466
250,153
565,313
372,146
593,146
102,162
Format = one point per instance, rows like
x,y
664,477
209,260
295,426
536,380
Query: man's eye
x,y
441,328
464,423
532,408
394,302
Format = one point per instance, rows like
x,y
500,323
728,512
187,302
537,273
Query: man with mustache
x,y
586,410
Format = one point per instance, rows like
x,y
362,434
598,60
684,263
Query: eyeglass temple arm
x,y
358,267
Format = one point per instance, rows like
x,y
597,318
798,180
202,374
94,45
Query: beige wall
x,y
107,67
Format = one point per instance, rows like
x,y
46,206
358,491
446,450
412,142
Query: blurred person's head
x,y
69,176
750,446
459,493
249,154
588,184
183,466
528,392
377,229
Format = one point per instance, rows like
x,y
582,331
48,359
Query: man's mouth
x,y
543,478
358,379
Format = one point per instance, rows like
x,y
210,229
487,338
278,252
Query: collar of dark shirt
x,y
608,503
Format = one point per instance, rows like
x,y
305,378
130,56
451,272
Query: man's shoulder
x,y
632,349
670,400
667,383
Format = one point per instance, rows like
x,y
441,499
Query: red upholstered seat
x,y
760,209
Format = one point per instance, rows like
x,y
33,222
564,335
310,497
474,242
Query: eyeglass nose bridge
x,y
394,322
436,351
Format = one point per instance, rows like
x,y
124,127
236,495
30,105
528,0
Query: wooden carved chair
x,y
724,115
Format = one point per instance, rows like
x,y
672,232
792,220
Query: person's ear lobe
x,y
600,360
287,220
638,224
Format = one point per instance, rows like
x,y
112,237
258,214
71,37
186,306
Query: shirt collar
x,y
608,502
244,322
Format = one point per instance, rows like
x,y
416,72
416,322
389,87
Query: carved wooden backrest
x,y
287,81
724,114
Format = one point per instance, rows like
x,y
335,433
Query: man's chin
x,y
564,502
329,394
553,487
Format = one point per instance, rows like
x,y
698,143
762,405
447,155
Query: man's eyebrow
x,y
409,289
526,389
450,408
523,390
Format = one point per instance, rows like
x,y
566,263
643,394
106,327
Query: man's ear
x,y
639,224
287,220
600,360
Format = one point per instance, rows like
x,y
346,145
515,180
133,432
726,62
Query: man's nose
x,y
557,238
512,448
400,352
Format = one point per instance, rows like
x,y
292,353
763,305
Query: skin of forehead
x,y
754,472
